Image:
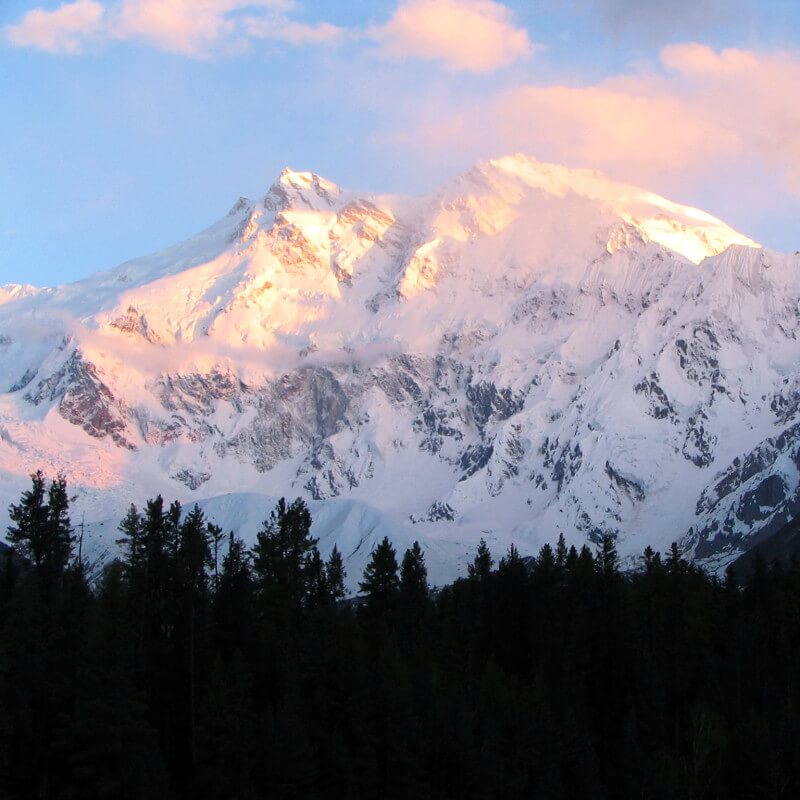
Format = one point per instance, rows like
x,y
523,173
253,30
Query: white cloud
x,y
698,112
466,35
63,30
194,28
463,35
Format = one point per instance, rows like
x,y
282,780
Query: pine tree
x,y
511,563
317,591
414,590
193,558
216,536
283,552
561,551
59,528
233,600
607,559
674,562
651,560
30,516
481,566
380,584
194,552
131,540
545,565
334,569
42,532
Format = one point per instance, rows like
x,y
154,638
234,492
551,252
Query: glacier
x,y
528,351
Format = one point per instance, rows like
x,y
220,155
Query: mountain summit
x,y
530,350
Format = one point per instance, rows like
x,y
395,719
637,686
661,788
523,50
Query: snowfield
x,y
529,351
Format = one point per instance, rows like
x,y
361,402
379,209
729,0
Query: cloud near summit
x,y
695,112
465,35
462,35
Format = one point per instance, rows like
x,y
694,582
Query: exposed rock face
x,y
531,350
84,400
754,497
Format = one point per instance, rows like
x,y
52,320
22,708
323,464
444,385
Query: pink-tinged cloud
x,y
613,125
753,94
193,28
465,35
63,30
697,112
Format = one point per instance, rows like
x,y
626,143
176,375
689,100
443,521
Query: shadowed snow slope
x,y
531,350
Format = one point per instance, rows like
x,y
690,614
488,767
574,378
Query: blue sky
x,y
130,124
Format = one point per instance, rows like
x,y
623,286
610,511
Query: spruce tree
x,y
674,562
511,564
380,583
28,534
317,591
283,552
561,551
334,569
233,600
414,590
481,566
131,540
607,559
60,537
42,532
216,536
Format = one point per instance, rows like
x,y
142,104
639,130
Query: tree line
x,y
197,667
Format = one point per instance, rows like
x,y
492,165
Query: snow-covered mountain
x,y
531,350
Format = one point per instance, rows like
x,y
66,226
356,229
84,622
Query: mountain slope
x,y
530,350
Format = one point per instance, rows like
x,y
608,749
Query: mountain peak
x,y
304,188
693,233
486,360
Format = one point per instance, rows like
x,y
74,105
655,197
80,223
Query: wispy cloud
x,y
194,28
462,35
64,30
697,111
465,35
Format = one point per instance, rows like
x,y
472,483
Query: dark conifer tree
x,y
217,537
607,559
561,551
28,533
545,565
674,561
42,532
651,560
380,583
283,552
130,541
334,569
511,563
414,589
481,566
233,600
60,539
317,591
110,749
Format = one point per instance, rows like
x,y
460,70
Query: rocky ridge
x,y
531,350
